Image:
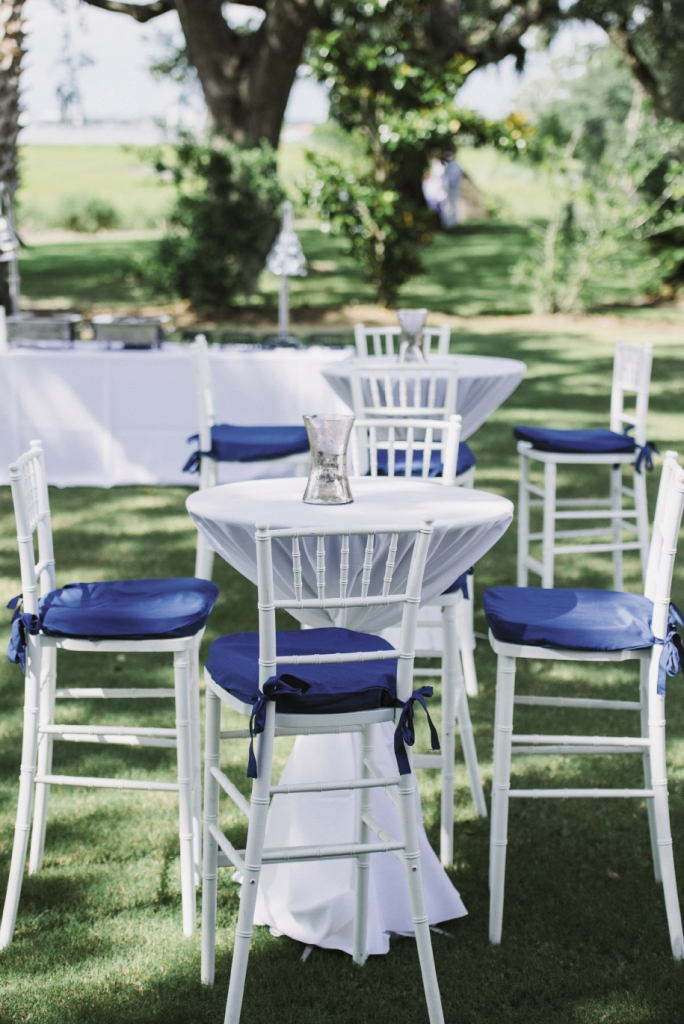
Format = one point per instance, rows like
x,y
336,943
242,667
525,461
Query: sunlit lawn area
x,y
585,938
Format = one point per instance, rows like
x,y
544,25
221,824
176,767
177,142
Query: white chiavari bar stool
x,y
228,443
592,626
384,448
613,448
129,616
421,391
386,341
317,681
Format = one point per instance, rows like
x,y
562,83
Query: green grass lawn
x,y
99,932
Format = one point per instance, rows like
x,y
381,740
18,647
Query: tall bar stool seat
x,y
227,442
613,448
593,626
385,447
317,681
131,616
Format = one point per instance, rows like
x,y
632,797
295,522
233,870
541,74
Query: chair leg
x,y
447,740
650,807
46,716
616,504
466,640
196,760
462,714
407,813
656,706
204,559
505,692
253,854
523,521
182,680
26,786
212,758
549,527
641,503
364,803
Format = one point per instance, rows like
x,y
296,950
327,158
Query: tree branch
x,y
140,12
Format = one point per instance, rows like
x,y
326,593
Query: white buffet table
x,y
314,902
484,382
110,417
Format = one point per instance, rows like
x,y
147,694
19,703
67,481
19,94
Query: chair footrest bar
x,y
383,835
580,702
339,851
306,730
106,730
121,741
78,780
429,673
612,513
574,749
583,549
332,787
227,848
232,791
377,773
570,794
93,692
583,741
428,761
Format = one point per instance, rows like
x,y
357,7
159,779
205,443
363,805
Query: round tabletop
x,y
467,523
484,382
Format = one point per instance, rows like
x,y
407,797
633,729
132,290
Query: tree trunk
x,y
11,53
246,78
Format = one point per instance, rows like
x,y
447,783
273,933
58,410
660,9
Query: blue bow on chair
x,y
672,656
644,451
405,732
272,690
22,623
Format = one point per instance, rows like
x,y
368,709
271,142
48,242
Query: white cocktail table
x,y
314,902
484,383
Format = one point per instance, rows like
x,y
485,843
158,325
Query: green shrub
x,y
88,215
222,225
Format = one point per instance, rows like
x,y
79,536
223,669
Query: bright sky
x,y
118,86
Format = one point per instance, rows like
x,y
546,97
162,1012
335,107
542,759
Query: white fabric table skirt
x,y
484,383
109,417
314,902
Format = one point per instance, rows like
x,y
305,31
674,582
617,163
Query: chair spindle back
x,y
386,341
671,522
32,514
372,586
417,438
404,389
631,376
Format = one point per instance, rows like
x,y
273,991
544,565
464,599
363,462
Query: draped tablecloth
x,y
484,383
109,417
314,902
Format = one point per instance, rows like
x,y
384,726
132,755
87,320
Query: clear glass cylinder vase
x,y
328,483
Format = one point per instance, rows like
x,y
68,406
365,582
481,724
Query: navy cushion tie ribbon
x,y
22,623
405,732
272,690
644,452
672,656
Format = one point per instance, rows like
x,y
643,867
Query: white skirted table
x,y
484,383
314,903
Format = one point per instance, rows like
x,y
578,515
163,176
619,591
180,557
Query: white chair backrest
x,y
199,352
417,438
631,376
655,548
371,585
671,522
385,341
404,389
32,514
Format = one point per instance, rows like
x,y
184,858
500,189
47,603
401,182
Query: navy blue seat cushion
x,y
251,444
580,442
466,460
129,609
333,689
584,620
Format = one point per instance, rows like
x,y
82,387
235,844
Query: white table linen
x,y
484,383
314,902
109,417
